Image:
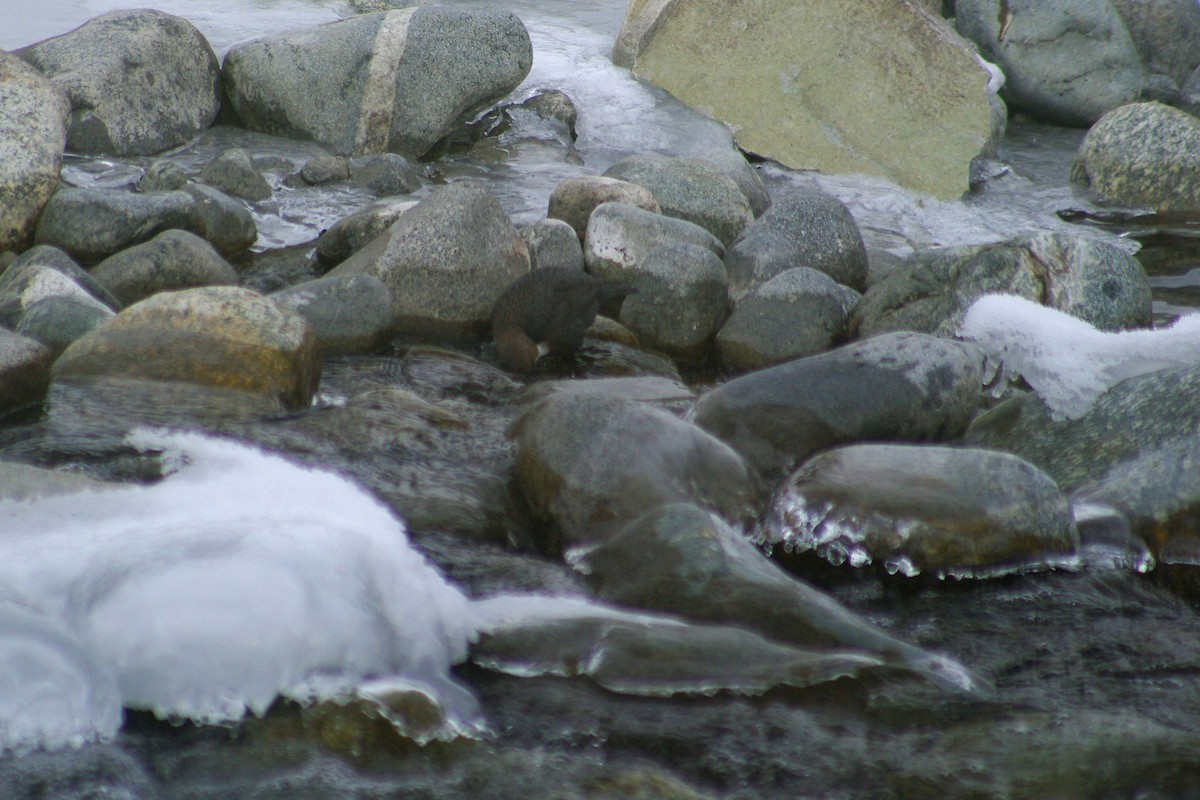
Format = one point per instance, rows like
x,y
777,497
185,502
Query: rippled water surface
x,y
1096,674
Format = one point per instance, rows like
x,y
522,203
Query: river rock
x,y
223,221
800,312
92,224
895,387
396,81
1137,415
139,81
43,272
385,174
620,237
681,300
1157,491
589,464
691,189
320,170
680,559
423,457
349,314
217,336
574,200
234,173
1064,61
1143,154
162,176
666,393
812,85
24,371
58,320
1163,32
553,243
445,261
931,290
33,132
172,260
802,228
925,509
348,235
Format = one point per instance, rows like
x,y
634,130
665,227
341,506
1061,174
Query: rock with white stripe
x,y
395,81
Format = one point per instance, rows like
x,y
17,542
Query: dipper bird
x,y
548,310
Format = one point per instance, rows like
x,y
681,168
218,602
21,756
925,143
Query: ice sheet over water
x,y
238,578
1068,362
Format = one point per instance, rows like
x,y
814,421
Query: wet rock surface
x,y
638,635
921,388
139,81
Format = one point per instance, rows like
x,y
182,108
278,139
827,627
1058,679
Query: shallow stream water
x,y
1096,673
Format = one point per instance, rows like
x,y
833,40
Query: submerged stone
x,y
680,559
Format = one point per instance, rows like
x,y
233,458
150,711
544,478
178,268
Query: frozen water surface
x,y
1068,362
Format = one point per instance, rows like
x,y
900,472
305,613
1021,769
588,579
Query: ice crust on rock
x,y
239,578
1065,360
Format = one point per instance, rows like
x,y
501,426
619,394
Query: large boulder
x,y
1165,33
33,133
802,228
446,261
1064,61
896,387
931,290
1143,154
393,81
870,86
591,463
140,81
219,336
691,189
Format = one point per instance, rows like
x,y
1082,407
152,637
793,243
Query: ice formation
x,y
1065,360
238,578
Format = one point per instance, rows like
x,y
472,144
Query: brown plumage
x,y
548,310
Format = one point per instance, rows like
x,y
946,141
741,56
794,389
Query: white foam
x,y
1065,360
239,578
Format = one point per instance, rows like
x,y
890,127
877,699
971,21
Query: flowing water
x,y
1096,673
